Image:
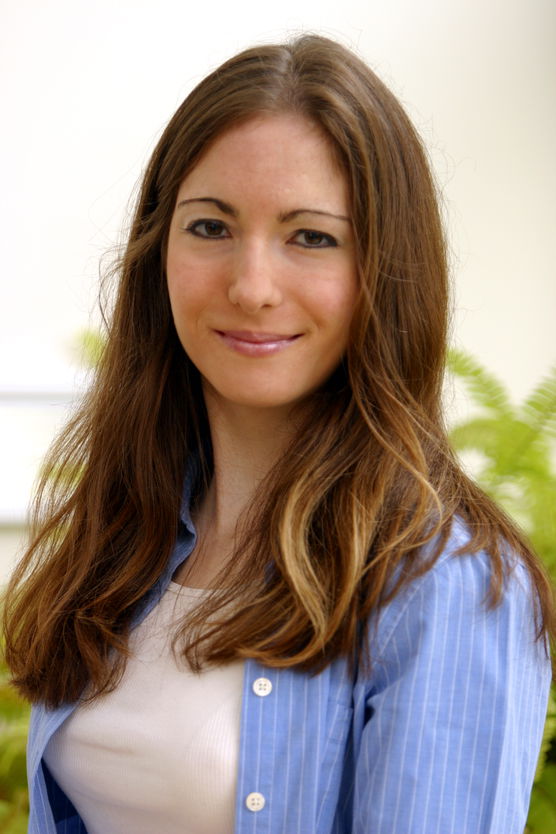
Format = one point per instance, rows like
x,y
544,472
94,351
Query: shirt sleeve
x,y
455,708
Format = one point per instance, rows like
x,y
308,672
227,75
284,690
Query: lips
x,y
256,343
255,337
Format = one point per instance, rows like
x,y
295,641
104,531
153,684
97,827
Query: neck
x,y
246,444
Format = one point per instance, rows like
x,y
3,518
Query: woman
x,y
326,627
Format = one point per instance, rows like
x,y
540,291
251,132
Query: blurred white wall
x,y
87,88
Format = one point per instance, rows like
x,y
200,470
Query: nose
x,y
254,282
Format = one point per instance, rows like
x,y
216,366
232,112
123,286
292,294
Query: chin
x,y
256,400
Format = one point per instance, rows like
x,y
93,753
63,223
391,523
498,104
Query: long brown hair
x,y
369,477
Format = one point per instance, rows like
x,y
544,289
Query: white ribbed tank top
x,y
160,752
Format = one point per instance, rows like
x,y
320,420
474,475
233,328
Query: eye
x,y
209,229
311,239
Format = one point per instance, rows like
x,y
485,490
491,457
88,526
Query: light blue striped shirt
x,y
441,736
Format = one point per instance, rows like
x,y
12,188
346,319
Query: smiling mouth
x,y
252,343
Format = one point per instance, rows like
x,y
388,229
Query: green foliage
x,y
542,814
514,450
90,345
549,734
516,446
14,716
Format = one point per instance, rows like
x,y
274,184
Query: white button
x,y
255,801
262,687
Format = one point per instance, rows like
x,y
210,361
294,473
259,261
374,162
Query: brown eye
x,y
208,229
311,239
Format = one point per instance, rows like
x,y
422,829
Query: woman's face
x,y
261,265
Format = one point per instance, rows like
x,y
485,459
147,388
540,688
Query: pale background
x,y
88,86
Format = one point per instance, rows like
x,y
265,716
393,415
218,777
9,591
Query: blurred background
x,y
87,89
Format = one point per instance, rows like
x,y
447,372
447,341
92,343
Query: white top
x,y
160,752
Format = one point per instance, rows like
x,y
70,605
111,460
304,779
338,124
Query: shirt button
x,y
262,687
255,801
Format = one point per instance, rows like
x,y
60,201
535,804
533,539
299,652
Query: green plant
x,y
513,449
14,715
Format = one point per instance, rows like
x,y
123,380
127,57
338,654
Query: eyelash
x,y
325,241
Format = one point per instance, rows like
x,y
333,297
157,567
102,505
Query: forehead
x,y
286,155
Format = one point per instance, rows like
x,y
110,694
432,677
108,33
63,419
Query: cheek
x,y
189,285
335,307
183,301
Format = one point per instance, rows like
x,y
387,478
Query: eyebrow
x,y
291,215
225,208
283,217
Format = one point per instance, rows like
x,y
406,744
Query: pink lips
x,y
252,343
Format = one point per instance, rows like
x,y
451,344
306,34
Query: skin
x,y
262,283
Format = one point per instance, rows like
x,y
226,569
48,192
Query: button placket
x,y
255,801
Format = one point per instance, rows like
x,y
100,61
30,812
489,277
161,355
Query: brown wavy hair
x,y
339,525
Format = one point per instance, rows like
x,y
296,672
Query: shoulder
x,y
444,615
452,702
